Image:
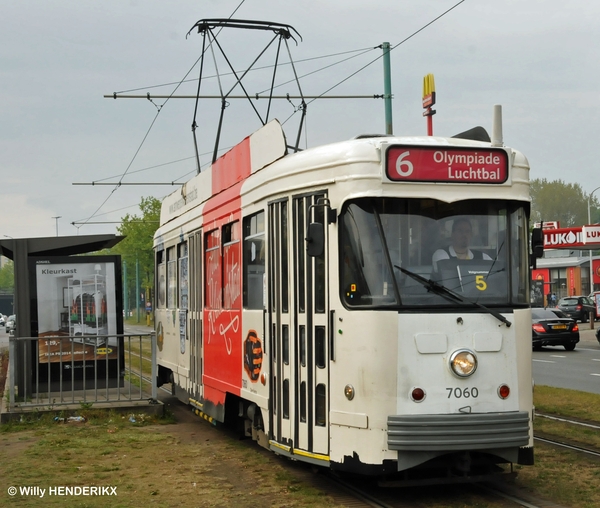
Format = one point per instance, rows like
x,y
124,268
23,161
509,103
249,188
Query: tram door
x,y
191,268
298,329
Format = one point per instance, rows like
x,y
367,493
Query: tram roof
x,y
267,148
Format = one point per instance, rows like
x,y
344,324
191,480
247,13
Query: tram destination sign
x,y
446,164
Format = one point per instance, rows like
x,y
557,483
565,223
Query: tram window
x,y
161,282
299,204
171,278
390,248
303,401
183,275
285,347
320,352
254,261
319,216
320,405
212,265
286,399
519,242
231,265
284,257
195,270
303,345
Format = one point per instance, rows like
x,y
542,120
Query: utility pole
x,y
387,88
137,286
591,256
125,291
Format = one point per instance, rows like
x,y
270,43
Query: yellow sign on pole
x,y
428,91
428,101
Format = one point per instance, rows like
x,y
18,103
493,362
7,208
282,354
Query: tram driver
x,y
459,248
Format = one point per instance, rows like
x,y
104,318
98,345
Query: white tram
x,y
298,293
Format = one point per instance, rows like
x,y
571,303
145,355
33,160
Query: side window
x,y
212,265
182,253
161,280
231,266
254,260
319,216
171,278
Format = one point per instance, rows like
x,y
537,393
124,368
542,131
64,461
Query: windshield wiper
x,y
450,295
495,259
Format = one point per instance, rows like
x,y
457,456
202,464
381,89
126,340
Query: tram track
x,y
495,494
499,492
568,446
566,420
564,443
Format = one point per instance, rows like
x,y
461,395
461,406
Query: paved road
x,y
577,370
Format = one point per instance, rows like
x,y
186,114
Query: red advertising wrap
x,y
446,164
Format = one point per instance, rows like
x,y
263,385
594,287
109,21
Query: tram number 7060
x,y
462,393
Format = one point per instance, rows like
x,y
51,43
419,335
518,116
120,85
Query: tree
x,y
136,249
562,202
7,277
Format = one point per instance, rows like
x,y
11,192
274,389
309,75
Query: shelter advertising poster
x,y
78,305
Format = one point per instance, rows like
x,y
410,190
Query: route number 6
x,y
404,167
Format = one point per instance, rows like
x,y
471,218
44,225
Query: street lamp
x,y
589,222
56,218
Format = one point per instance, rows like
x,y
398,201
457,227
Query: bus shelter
x,y
20,250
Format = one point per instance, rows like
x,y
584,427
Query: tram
x,y
304,294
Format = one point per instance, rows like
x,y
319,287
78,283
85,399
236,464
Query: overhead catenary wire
x,y
159,109
394,47
264,67
255,96
146,168
312,99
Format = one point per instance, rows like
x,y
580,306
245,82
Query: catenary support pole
x,y
387,88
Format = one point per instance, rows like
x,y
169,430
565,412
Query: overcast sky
x,y
537,58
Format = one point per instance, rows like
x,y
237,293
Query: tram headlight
x,y
463,362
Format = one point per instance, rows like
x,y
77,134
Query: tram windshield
x,y
391,250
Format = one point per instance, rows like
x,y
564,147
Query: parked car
x,y
579,308
551,327
2,320
11,323
598,334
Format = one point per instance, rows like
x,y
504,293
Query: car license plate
x,y
559,327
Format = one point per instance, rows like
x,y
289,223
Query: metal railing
x,y
53,372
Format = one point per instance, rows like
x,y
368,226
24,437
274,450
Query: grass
x,y
564,476
151,462
568,403
147,464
